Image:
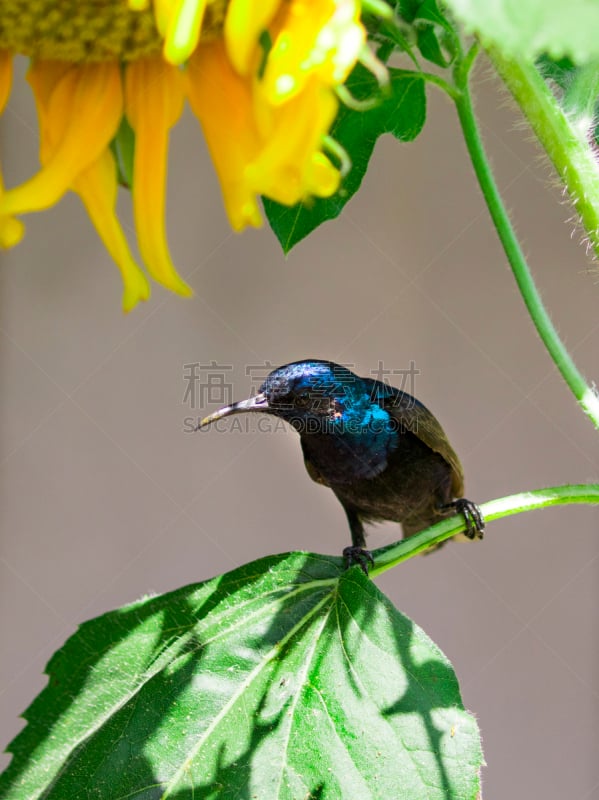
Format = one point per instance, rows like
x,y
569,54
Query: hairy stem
x,y
565,137
387,557
585,395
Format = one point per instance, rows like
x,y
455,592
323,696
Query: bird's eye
x,y
302,400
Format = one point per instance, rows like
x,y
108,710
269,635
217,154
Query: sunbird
x,y
380,450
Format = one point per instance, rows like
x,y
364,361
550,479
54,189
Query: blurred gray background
x,y
105,497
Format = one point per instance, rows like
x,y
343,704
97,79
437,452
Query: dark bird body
x,y
379,449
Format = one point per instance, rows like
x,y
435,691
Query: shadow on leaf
x,y
286,678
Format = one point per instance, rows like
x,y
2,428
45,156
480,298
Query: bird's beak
x,y
257,403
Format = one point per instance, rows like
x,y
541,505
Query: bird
x,y
379,449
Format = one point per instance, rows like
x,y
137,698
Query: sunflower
x,y
112,76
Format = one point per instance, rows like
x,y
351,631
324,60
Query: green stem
x,y
563,136
390,556
586,396
442,84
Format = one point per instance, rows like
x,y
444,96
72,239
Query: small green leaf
x,y
429,10
528,28
402,113
430,47
408,9
288,678
123,149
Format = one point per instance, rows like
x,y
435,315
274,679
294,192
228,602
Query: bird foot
x,y
357,555
475,522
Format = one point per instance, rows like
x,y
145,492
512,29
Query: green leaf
x,y
528,28
286,678
401,113
576,89
559,70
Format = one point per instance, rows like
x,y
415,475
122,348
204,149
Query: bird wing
x,y
414,416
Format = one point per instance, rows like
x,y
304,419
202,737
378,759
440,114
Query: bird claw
x,y
475,522
357,555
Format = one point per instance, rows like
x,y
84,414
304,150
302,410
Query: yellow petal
x,y
153,104
244,23
321,177
339,43
183,30
163,13
314,40
5,77
97,186
82,115
291,166
11,232
222,102
43,77
11,229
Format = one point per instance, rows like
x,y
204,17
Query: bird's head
x,y
313,396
